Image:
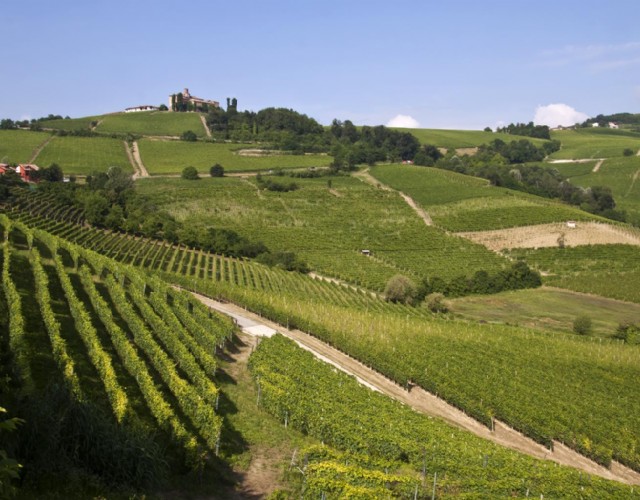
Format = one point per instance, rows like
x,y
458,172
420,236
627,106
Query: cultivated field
x,y
462,138
461,203
594,143
327,228
550,309
72,124
170,157
18,146
161,123
84,155
555,235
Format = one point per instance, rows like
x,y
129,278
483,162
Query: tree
x,y
163,107
488,129
190,173
189,136
435,303
582,325
216,170
53,173
628,152
400,289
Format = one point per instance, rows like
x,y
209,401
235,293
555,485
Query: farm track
x,y
368,178
39,149
206,127
141,170
597,166
425,402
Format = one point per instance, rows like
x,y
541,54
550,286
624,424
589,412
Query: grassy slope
x,y
462,203
594,143
83,123
83,155
462,138
18,146
170,157
327,228
548,309
152,123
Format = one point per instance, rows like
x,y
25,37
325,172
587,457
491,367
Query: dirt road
x,y
141,170
421,400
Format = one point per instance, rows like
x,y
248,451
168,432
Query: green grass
x,y
572,170
326,228
163,123
548,309
72,124
594,143
607,270
462,138
458,202
18,146
84,155
170,157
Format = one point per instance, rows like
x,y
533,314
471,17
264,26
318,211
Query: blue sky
x,y
445,64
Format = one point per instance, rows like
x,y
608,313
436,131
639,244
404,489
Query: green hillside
x,y
461,138
19,146
594,143
162,123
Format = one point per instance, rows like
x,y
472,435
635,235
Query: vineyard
x,y
158,123
606,270
151,365
18,146
461,203
453,139
84,155
383,444
594,143
170,157
327,227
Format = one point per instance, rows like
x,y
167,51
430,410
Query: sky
x,y
431,64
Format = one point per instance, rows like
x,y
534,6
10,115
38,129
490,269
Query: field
x,y
72,124
170,157
160,123
548,309
461,203
606,270
18,146
556,235
594,143
84,155
462,138
327,228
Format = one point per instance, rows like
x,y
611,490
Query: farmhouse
x,y
143,107
25,170
184,101
4,168
613,125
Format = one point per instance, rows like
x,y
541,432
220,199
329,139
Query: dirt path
x,y
633,181
141,171
421,400
370,179
597,166
206,127
39,149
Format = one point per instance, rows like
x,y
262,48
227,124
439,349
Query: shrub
x,y
435,303
189,135
628,152
216,170
582,325
190,173
400,289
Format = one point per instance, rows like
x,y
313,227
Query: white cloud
x,y
403,121
558,114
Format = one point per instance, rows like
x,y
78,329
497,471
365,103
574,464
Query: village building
x,y
26,170
4,168
184,101
143,107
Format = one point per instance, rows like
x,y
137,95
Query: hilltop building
x,y
184,101
143,107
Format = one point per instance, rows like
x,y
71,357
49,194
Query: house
x,y
186,102
4,168
613,125
25,171
143,107
595,124
571,224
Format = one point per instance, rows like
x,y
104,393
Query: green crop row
x,y
311,396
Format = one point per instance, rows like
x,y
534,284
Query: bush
x,y
435,303
582,325
189,135
190,173
400,289
216,170
628,152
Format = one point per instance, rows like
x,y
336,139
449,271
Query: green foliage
x,y
189,136
582,325
373,432
9,467
629,333
190,174
435,303
528,130
216,170
272,185
400,289
627,152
